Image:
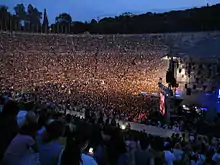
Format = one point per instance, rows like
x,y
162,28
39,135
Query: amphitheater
x,y
127,64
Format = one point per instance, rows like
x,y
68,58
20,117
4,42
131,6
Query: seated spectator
x,y
23,145
50,147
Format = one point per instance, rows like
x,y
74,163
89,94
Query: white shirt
x,y
169,157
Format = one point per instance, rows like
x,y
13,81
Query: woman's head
x,y
75,146
54,130
178,146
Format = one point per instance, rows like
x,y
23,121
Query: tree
x,y
4,18
20,16
93,21
79,27
93,26
64,18
45,22
20,12
63,23
33,19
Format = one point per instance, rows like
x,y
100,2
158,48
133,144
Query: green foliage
x,y
64,18
20,12
33,23
63,23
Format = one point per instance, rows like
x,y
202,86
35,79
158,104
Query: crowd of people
x,y
106,72
101,76
127,65
37,136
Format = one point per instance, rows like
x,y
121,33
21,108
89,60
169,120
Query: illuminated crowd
x,y
107,72
107,78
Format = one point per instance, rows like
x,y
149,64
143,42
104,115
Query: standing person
x,y
22,148
178,152
69,128
50,147
8,125
73,152
169,156
125,153
107,152
143,155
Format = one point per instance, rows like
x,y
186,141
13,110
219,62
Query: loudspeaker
x,y
169,76
173,82
188,91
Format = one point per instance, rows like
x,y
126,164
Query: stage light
x,y
154,94
186,108
177,93
203,109
143,93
